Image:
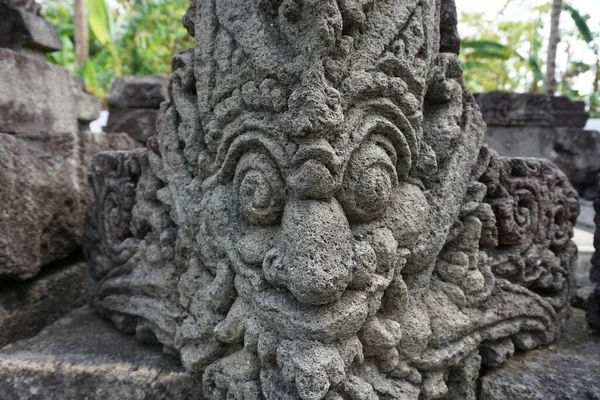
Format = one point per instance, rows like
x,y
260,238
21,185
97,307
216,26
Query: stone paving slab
x,y
569,369
82,357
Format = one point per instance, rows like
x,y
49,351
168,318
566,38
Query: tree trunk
x,y
552,45
81,32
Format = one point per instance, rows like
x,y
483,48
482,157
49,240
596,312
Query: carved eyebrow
x,y
257,140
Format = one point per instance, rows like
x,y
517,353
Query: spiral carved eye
x,y
369,182
259,189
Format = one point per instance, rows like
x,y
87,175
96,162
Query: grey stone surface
x,y
37,96
82,357
139,123
314,216
531,109
522,141
569,369
24,27
27,307
44,194
138,92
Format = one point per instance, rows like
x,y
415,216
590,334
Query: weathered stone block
x,y
36,96
27,307
569,369
577,154
525,141
531,109
23,27
138,92
82,357
138,123
44,194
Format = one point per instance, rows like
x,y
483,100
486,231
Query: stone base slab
x,y
569,369
82,356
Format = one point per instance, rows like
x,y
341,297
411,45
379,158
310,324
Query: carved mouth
x,y
326,323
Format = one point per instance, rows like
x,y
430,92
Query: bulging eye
x,y
368,183
259,189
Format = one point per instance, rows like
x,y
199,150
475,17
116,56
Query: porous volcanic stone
x,y
44,193
27,307
83,357
569,369
37,96
138,92
316,217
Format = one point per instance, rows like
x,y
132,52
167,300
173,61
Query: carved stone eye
x,y
369,182
259,189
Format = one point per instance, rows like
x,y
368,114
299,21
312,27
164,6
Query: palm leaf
x,y
580,22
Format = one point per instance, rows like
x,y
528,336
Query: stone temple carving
x,y
316,217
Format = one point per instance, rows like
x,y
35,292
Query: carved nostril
x,y
272,268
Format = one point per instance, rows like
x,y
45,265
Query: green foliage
x,y
509,55
138,37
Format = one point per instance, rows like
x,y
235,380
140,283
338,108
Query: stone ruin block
x,y
81,357
531,109
41,97
316,217
134,103
44,195
44,162
24,29
539,125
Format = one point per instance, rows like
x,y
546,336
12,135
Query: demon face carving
x,y
308,222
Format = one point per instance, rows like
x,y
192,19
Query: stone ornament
x,y
312,220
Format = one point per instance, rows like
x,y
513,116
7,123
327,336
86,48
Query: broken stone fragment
x,y
44,194
37,96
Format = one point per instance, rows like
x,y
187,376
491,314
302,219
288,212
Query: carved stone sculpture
x,y
309,221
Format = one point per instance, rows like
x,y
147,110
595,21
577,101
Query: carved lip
x,y
326,323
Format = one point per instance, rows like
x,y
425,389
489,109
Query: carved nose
x,y
314,258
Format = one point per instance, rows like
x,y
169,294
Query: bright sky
x,y
592,7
